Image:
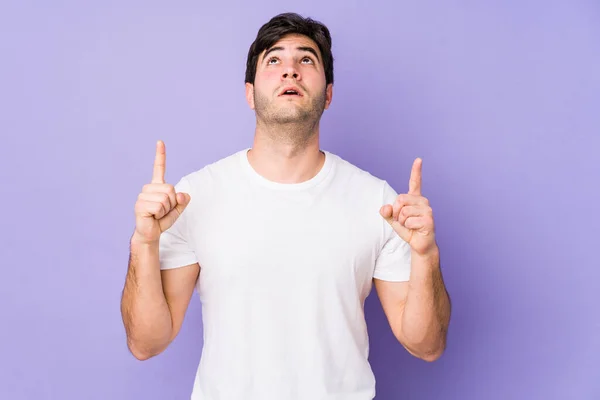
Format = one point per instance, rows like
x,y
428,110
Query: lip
x,y
294,88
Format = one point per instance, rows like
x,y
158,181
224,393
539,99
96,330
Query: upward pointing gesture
x,y
411,216
414,184
160,161
158,205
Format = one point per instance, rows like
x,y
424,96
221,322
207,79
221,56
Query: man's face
x,y
293,63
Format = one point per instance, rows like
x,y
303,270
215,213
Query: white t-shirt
x,y
285,270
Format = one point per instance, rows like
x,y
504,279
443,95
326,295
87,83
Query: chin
x,y
289,116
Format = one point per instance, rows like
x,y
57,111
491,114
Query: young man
x,y
283,242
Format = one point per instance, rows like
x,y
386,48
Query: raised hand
x,y
411,216
158,205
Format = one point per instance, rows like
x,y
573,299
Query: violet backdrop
x,y
500,99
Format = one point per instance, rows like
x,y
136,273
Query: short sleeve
x,y
175,249
393,261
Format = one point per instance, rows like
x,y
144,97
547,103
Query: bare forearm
x,y
426,313
145,311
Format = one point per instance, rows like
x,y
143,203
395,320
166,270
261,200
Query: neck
x,y
286,154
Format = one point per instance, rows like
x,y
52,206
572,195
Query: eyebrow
x,y
301,48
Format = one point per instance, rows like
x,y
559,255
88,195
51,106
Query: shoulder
x,y
349,170
204,182
225,167
359,180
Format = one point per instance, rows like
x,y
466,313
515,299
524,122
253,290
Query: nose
x,y
290,72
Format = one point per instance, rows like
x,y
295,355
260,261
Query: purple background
x,y
502,101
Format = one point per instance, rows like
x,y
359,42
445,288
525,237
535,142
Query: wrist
x,y
431,255
138,241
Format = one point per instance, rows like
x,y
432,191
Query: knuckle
x,y
142,210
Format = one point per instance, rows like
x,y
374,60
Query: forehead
x,y
293,42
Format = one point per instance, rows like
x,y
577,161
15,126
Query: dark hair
x,y
288,24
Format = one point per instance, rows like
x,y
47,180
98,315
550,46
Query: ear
x,y
328,95
250,95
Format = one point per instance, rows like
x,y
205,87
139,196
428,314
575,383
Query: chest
x,y
297,243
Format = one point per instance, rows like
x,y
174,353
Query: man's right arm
x,y
154,302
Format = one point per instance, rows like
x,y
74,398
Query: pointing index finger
x,y
160,160
414,184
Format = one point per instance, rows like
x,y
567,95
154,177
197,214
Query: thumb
x,y
386,212
183,199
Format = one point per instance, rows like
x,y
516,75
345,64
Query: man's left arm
x,y
418,310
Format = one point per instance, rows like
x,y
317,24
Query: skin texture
x,y
286,140
418,310
286,149
154,302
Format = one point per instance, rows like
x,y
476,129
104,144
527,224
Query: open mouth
x,y
291,91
